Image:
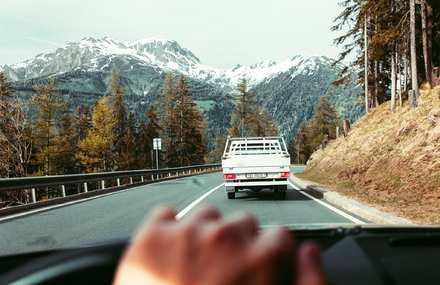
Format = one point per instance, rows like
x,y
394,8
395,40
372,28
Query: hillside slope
x,y
390,160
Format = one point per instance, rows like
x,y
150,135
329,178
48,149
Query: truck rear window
x,y
245,148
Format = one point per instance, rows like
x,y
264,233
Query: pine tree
x,y
147,132
191,148
302,152
324,122
262,124
50,107
245,109
389,34
235,130
96,149
248,118
170,126
116,94
65,146
14,147
128,156
215,155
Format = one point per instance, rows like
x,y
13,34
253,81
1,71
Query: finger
x,y
162,214
309,268
272,245
158,217
242,223
274,250
206,213
235,230
275,238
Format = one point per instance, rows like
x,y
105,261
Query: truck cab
x,y
256,163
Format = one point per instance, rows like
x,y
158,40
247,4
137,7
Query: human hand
x,y
204,249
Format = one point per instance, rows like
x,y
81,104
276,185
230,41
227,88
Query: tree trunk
x,y
393,79
426,13
346,127
366,64
412,24
376,83
399,74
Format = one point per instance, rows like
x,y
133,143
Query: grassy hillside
x,y
389,160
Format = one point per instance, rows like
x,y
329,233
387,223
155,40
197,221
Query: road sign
x,y
157,143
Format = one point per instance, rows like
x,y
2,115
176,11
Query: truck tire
x,y
231,195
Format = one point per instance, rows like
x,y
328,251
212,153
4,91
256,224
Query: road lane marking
x,y
330,207
190,206
51,207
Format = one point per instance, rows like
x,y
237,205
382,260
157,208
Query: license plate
x,y
256,175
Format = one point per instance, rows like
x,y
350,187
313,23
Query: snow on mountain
x,y
289,90
91,54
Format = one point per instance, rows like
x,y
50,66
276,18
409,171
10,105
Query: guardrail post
x,y
102,184
131,180
152,177
118,181
33,196
63,191
142,178
85,187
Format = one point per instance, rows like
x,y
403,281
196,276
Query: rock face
x,y
289,90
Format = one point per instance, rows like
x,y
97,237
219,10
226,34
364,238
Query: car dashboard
x,y
350,255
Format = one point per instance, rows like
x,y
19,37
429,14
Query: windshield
x,y
304,114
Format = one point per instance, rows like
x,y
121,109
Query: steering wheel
x,y
88,265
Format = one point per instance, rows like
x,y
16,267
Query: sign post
x,y
157,144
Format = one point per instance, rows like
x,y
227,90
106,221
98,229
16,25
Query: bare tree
x,y
412,12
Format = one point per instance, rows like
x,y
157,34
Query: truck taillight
x,y
285,174
228,176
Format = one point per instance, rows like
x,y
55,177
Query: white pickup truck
x,y
256,163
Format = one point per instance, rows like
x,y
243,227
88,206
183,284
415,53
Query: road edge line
x,y
369,213
328,206
198,200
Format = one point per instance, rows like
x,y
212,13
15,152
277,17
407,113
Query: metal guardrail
x,y
32,183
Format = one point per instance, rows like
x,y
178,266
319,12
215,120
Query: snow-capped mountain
x,y
91,54
81,71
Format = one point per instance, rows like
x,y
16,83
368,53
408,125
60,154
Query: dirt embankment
x,y
389,160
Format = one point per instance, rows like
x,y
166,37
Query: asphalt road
x,y
116,216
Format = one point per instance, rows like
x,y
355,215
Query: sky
x,y
221,33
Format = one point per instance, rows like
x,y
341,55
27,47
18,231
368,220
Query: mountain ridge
x,y
81,70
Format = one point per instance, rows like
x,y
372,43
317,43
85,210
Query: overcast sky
x,y
222,33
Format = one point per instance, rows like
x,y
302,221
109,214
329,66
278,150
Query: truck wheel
x,y
231,195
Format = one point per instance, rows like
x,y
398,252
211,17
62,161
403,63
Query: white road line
x,y
13,216
190,206
337,211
